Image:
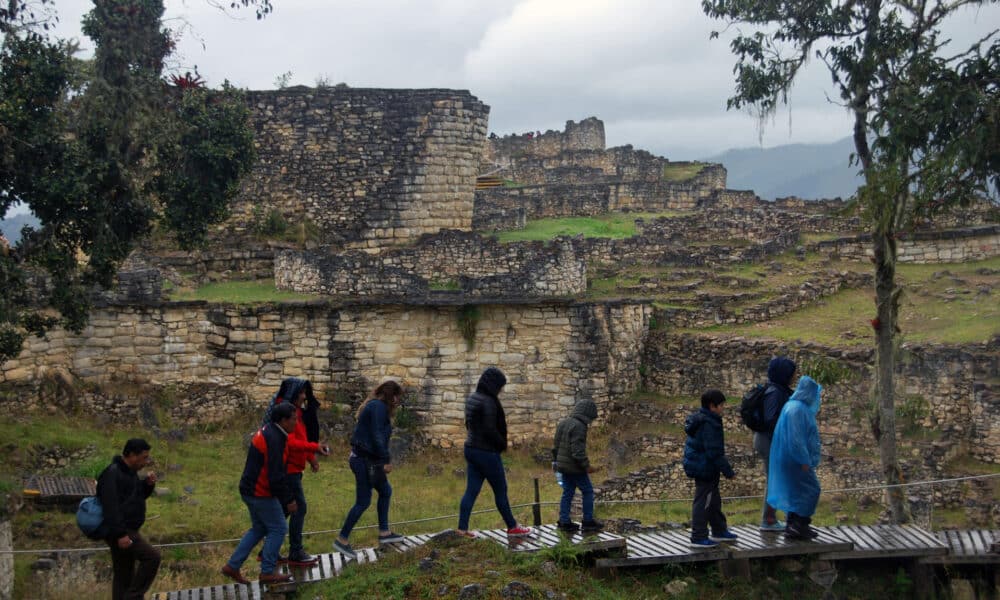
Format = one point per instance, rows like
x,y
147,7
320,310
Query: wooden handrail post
x,y
536,510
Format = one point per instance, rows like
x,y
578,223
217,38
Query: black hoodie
x,y
484,417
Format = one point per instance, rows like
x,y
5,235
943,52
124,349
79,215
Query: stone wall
x,y
368,167
588,134
217,357
922,247
948,389
478,267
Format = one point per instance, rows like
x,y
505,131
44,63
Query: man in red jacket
x,y
303,445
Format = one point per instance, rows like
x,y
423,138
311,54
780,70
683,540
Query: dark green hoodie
x,y
570,449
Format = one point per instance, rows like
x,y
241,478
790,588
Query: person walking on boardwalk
x,y
780,372
123,498
266,491
302,447
704,460
486,439
793,486
371,464
570,455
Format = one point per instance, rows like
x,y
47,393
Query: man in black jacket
x,y
123,497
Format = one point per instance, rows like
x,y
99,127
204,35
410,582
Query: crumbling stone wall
x,y
922,247
369,167
220,356
479,267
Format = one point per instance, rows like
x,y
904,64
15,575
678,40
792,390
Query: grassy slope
x,y
611,225
239,292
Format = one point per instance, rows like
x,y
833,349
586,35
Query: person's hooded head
x,y
585,410
491,382
781,370
808,392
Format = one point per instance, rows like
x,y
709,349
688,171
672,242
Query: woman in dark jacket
x,y
486,439
371,463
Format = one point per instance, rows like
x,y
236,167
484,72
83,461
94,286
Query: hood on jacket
x,y
780,370
696,419
807,392
585,410
290,388
491,382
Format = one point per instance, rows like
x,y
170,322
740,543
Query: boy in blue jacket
x,y
704,460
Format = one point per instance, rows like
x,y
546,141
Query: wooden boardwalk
x,y
659,548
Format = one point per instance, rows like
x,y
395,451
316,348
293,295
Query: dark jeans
x,y
707,509
572,481
368,475
129,582
297,520
484,465
267,523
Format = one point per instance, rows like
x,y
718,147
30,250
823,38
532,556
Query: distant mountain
x,y
11,227
810,171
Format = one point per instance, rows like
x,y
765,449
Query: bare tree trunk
x,y
887,302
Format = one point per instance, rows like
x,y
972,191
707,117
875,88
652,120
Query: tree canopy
x,y
101,152
926,125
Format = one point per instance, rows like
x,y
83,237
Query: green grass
x,y
678,172
241,292
610,225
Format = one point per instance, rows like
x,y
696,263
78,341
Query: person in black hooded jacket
x,y
780,372
486,424
704,461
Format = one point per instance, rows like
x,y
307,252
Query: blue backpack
x,y
90,518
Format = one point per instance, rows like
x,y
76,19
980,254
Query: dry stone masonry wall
x,y
369,167
223,357
922,247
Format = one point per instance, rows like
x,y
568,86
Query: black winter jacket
x,y
570,448
705,448
484,416
123,497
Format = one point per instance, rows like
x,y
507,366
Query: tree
x,y
926,127
102,153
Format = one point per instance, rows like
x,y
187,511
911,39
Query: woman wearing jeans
x,y
486,439
371,463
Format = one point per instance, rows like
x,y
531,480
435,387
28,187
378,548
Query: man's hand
x,y
731,475
151,478
324,450
293,506
387,467
124,542
591,469
805,468
314,465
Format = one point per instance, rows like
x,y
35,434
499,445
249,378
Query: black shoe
x,y
592,525
568,526
794,532
301,558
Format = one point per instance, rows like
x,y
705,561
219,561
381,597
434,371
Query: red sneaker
x,y
519,531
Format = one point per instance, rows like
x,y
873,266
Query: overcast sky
x,y
645,67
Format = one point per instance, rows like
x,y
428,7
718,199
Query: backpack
x,y
752,408
90,518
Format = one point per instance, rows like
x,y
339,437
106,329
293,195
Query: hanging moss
x,y
468,319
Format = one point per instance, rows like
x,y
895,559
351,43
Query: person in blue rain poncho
x,y
792,485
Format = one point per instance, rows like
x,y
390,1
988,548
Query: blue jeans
x,y
297,520
484,465
267,523
572,481
367,475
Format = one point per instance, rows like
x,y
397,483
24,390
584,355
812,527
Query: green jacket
x,y
570,450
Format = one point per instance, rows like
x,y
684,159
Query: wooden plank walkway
x,y
967,547
548,536
887,541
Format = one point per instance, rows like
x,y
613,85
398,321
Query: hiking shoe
x,y
568,526
725,536
465,534
344,549
776,526
301,558
280,560
592,525
704,543
266,578
392,538
519,531
795,533
235,575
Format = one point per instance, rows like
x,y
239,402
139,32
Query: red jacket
x,y
300,449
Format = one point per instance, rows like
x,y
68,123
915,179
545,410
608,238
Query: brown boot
x,y
235,575
266,578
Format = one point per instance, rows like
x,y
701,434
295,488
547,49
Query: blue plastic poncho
x,y
796,443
